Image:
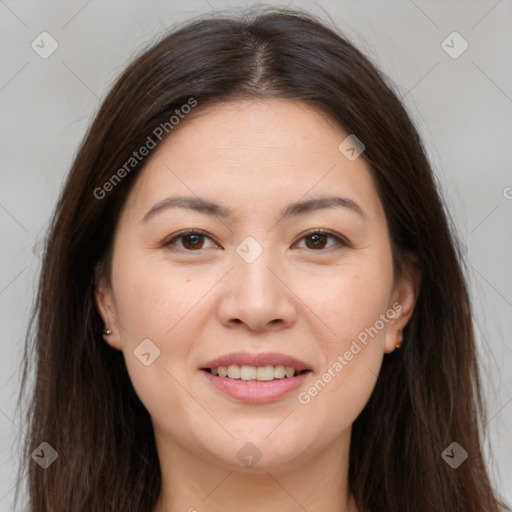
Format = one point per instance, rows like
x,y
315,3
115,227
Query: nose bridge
x,y
252,271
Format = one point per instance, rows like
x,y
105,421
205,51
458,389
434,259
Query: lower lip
x,y
256,392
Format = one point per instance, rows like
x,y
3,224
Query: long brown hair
x,y
427,394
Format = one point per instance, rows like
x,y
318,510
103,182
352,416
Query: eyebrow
x,y
209,208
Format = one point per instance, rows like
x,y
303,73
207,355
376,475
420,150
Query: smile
x,y
255,378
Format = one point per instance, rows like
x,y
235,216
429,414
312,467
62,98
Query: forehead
x,y
245,125
251,151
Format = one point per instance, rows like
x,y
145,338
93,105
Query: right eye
x,y
191,240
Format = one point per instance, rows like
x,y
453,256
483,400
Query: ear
x,y
403,299
104,301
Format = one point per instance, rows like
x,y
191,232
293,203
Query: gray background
x,y
463,107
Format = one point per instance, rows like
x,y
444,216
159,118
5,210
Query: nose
x,y
257,295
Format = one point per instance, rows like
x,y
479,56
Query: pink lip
x,y
256,392
263,359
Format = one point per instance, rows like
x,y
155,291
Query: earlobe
x,y
405,294
103,300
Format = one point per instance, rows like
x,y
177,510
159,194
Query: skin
x,y
203,300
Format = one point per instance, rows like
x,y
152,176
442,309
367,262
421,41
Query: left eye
x,y
318,239
194,240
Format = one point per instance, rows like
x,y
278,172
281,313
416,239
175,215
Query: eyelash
x,y
169,242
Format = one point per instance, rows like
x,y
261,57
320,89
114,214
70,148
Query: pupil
x,y
317,239
195,240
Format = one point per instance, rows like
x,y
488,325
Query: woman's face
x,y
256,285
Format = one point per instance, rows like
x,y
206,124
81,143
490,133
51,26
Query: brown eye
x,y
192,240
317,240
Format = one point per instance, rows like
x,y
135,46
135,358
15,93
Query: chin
x,y
257,449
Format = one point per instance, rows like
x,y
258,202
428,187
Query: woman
x,y
250,295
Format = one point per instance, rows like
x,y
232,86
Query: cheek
x,y
355,306
149,306
151,296
351,301
167,305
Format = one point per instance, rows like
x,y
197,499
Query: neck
x,y
313,483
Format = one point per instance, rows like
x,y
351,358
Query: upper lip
x,y
261,359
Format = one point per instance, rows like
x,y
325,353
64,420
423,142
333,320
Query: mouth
x,y
256,378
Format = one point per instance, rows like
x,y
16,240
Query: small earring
x,y
400,339
106,332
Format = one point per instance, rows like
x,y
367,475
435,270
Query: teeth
x,y
234,371
261,373
289,372
248,372
280,372
265,373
